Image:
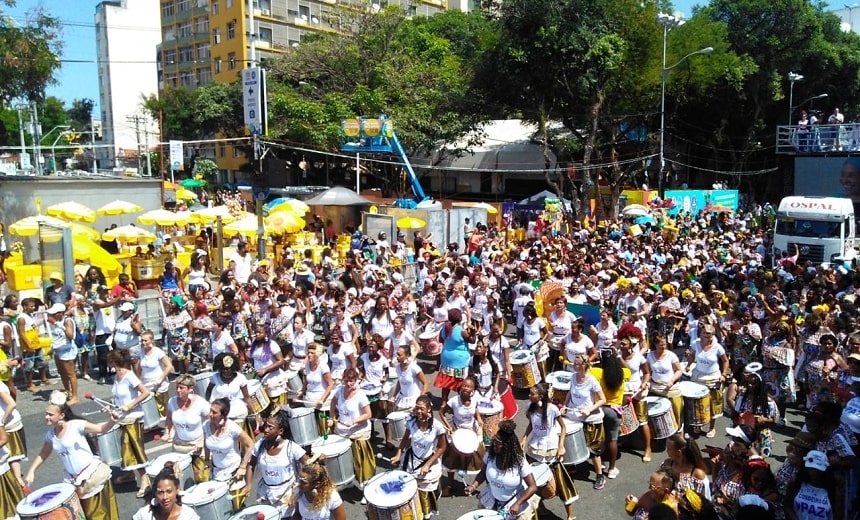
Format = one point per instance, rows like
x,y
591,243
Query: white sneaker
x,y
612,473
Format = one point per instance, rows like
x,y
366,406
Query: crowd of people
x,y
693,305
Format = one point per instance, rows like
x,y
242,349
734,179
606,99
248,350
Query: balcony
x,y
817,139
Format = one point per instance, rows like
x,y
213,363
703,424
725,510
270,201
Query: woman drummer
x,y
561,322
420,453
316,495
228,383
374,368
584,405
411,382
166,503
665,373
510,482
350,418
318,385
637,387
67,436
16,444
10,484
712,369
224,443
543,441
186,413
464,410
128,392
535,334
487,374
155,368
277,458
268,362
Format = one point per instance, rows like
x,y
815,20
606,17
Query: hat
x,y
103,288
201,252
57,308
742,432
803,440
175,299
816,460
128,306
753,368
303,270
368,291
264,262
352,291
56,275
397,277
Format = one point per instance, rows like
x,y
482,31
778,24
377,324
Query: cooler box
x,y
23,277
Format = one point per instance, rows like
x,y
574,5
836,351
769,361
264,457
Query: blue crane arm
x,y
420,196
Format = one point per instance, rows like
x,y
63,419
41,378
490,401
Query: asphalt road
x,y
606,503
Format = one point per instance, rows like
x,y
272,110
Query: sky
x,y
78,77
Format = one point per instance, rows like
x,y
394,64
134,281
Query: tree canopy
x,y
29,54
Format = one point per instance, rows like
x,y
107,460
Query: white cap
x,y
816,460
126,306
56,308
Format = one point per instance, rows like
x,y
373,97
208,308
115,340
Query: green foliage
x,y
200,113
29,55
205,167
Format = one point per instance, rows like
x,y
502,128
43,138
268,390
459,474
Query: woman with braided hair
x,y
511,485
611,375
165,501
756,408
316,497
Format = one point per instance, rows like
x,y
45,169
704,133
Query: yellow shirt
x,y
615,398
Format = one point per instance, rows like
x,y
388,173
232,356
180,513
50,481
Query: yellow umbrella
x,y
284,222
29,226
118,207
72,210
167,185
246,226
294,205
183,194
129,233
410,223
163,217
207,215
85,250
489,207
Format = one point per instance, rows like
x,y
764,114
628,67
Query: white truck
x,y
818,229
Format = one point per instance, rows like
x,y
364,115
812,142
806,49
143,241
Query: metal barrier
x,y
151,311
409,272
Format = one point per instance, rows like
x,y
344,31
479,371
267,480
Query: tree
x,y
80,117
205,167
29,55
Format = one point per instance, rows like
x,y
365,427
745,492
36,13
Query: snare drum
x,y
259,398
559,386
294,382
392,495
371,390
430,344
209,499
697,403
629,420
660,417
491,413
465,441
130,418
201,383
54,502
181,467
575,448
397,425
509,402
524,369
151,417
338,458
258,512
109,446
303,426
543,476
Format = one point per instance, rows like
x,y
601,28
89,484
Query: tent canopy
x,y
538,199
338,196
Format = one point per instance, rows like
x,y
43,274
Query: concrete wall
x,y
18,197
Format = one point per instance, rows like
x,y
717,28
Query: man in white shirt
x,y
244,263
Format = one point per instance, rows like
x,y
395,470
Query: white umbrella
x,y
635,210
338,196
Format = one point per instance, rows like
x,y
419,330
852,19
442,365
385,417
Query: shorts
x,y
32,361
134,353
611,423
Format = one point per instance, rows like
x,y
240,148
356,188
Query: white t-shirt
x,y
561,324
463,416
812,503
221,344
348,410
188,424
15,416
145,513
72,448
408,379
223,448
504,485
315,380
125,391
635,365
231,391
375,371
545,435
662,370
572,348
151,369
324,513
532,331
707,361
105,319
124,336
605,334
581,395
339,360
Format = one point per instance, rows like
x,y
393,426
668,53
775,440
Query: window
x,y
172,80
236,152
228,3
217,65
187,79
169,56
183,6
232,58
169,34
204,76
266,35
222,150
168,9
201,25
304,12
185,30
186,54
203,53
215,9
231,30
216,36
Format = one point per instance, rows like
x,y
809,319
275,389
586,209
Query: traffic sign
x,y
254,99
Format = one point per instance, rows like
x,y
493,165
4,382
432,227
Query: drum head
x,y
560,380
253,386
465,441
402,486
181,461
254,512
571,426
428,335
541,473
331,447
692,390
521,357
400,415
486,407
300,412
657,405
203,375
45,499
204,493
371,388
489,514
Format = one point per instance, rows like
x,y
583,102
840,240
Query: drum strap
x,y
411,462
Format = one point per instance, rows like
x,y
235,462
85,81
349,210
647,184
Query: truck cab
x,y
820,229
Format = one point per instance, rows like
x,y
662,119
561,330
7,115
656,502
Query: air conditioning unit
x,y
266,12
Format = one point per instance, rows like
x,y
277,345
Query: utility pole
x,y
93,143
136,120
19,108
146,148
37,136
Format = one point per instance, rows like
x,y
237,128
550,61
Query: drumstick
x,y
87,414
102,402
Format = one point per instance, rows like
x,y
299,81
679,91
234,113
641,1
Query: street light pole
x,y
668,22
54,145
792,77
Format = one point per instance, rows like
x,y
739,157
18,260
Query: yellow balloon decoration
x,y
539,304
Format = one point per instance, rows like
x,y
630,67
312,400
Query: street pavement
x,y
607,503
